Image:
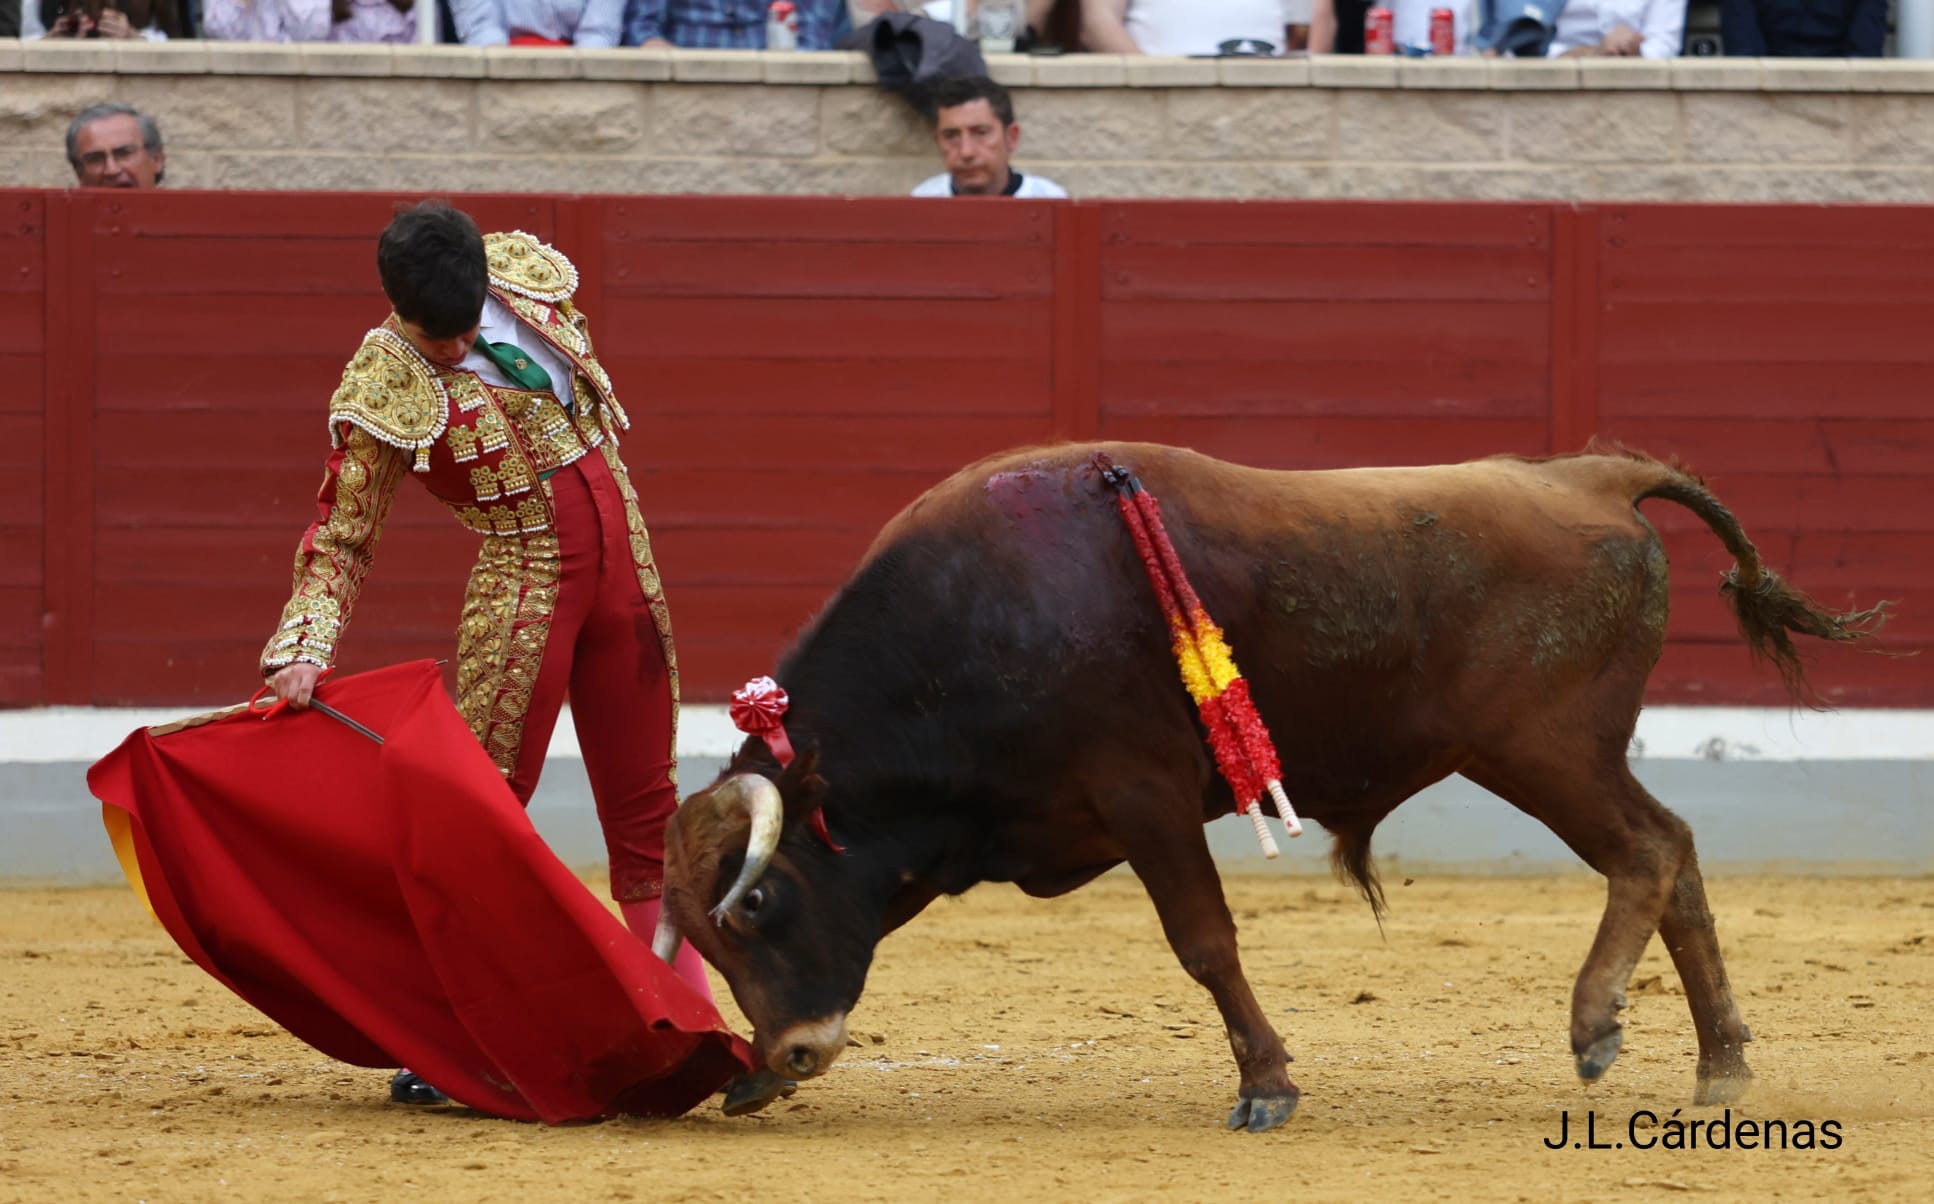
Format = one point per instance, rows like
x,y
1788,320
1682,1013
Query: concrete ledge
x,y
52,56
258,58
160,58
1804,75
529,62
835,68
346,58
1353,71
1263,73
643,66
1470,74
437,62
717,66
1891,75
1608,75
805,67
1165,72
1007,70
1534,75
1082,71
1715,75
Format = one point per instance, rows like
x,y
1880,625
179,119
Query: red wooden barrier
x,y
797,369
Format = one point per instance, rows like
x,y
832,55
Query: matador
x,y
484,386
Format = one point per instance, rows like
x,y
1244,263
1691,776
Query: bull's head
x,y
788,922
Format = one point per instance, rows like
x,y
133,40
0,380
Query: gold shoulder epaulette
x,y
519,263
389,391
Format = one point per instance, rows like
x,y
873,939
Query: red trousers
x,y
603,651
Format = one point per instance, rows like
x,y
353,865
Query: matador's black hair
x,y
431,259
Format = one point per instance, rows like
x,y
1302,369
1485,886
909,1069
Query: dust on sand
x,y
1018,1050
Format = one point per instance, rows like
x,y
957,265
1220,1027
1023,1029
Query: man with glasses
x,y
115,146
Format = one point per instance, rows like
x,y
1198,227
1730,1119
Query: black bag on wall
x,y
912,53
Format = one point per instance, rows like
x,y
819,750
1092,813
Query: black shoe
x,y
409,1088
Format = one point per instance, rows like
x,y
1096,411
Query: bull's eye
x,y
753,901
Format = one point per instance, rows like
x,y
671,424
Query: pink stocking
x,y
642,918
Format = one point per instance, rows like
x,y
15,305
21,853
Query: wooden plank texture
x,y
799,369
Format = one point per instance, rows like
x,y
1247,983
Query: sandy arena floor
x,y
1023,1051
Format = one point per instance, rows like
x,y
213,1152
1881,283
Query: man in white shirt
x,y
1182,27
1653,29
977,134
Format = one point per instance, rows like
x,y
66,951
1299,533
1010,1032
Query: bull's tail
x,y
1767,608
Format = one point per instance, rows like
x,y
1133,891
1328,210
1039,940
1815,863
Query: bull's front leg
x,y
1175,867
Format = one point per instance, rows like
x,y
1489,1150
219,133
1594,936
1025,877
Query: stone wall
x,y
626,121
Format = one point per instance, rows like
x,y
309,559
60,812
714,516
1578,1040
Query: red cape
x,y
392,906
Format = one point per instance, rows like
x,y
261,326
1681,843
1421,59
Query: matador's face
x,y
448,352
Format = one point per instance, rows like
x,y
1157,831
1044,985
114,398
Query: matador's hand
x,y
294,684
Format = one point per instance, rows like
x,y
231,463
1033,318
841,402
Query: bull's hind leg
x,y
1692,940
1597,808
1170,853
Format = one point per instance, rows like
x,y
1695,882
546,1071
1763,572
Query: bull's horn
x,y
759,799
665,939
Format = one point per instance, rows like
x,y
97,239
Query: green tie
x,y
516,364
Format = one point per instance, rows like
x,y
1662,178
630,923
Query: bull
x,y
991,698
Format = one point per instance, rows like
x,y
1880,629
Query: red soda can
x,y
1443,31
1379,31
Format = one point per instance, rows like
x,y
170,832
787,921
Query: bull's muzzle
x,y
809,1049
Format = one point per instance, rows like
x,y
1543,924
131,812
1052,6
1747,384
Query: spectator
x,y
1799,29
1038,12
976,132
125,20
1653,29
723,24
115,146
309,20
1180,26
591,24
10,18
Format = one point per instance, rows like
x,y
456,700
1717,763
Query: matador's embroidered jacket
x,y
483,451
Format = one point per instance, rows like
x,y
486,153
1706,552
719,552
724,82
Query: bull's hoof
x,y
1594,1061
1263,1113
753,1090
1722,1088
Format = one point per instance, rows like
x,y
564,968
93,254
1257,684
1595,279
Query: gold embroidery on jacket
x,y
462,442
390,391
491,430
334,556
464,389
520,264
515,475
531,512
506,620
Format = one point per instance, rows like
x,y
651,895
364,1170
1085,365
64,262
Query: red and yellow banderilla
x,y
1243,750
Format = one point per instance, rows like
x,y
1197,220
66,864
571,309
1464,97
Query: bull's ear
x,y
801,786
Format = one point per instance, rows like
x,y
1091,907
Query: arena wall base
x,y
1765,790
